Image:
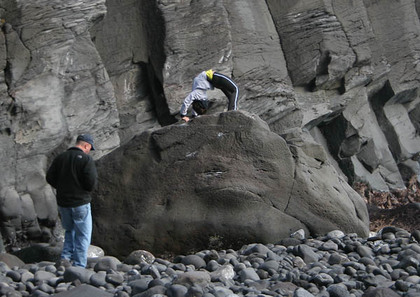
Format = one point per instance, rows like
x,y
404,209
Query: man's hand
x,y
186,119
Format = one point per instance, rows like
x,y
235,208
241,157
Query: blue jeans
x,y
77,223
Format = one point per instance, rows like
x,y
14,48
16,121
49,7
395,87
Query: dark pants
x,y
228,87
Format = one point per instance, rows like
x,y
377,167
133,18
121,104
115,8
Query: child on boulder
x,y
208,80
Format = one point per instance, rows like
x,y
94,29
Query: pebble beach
x,y
334,265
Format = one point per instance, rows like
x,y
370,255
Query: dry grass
x,y
397,208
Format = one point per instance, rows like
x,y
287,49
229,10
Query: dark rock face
x,y
53,86
226,176
338,80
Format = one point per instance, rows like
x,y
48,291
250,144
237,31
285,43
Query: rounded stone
x,y
177,291
194,260
329,246
106,263
402,285
301,292
415,279
212,265
364,251
323,279
98,279
248,274
416,235
43,276
14,275
338,290
77,273
335,234
139,256
140,285
115,278
336,258
388,236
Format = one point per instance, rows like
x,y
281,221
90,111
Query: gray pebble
x,y
154,271
414,279
380,292
14,294
416,235
14,275
53,282
73,273
329,246
201,278
121,294
338,290
212,265
306,253
364,251
389,236
402,285
46,288
179,266
248,274
39,293
107,262
219,291
336,234
302,293
153,291
98,279
336,258
256,248
140,285
177,291
195,291
194,260
323,279
5,288
114,278
402,234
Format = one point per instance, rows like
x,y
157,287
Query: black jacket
x,y
73,174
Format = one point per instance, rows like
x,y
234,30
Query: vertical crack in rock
x,y
414,116
276,26
342,141
154,23
158,99
292,189
378,101
132,50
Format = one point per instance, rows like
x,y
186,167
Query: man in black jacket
x,y
73,174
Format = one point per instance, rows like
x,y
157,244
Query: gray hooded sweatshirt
x,y
199,89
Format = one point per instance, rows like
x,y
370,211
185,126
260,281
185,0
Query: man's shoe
x,y
63,262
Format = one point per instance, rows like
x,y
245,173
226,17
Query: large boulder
x,y
224,176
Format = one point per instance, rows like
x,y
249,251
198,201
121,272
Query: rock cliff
x,y
338,76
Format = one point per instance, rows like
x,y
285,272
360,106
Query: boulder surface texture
x,y
223,177
337,81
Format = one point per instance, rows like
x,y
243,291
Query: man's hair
x,y
200,106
